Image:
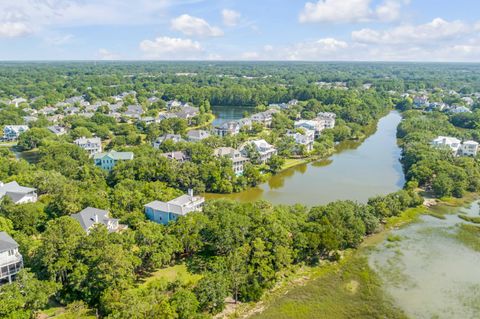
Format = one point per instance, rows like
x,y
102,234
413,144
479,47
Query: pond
x,y
428,271
357,172
229,113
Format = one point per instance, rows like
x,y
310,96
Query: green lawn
x,y
173,273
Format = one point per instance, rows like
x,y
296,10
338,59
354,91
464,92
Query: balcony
x,y
10,266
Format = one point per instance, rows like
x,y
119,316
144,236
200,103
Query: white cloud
x,y
436,30
351,11
193,26
13,30
105,54
230,17
171,48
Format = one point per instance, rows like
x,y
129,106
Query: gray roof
x,y
14,191
7,242
198,134
87,217
179,205
115,155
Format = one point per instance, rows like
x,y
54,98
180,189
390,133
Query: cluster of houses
x,y
12,132
458,148
421,100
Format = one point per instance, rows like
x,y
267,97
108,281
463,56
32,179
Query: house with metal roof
x,y
165,212
238,160
108,160
11,260
92,145
197,135
90,216
18,194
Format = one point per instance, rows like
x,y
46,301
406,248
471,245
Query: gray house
x,y
11,260
89,217
18,194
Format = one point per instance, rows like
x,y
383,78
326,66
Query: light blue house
x,y
164,212
107,161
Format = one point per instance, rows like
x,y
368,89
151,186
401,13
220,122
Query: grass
x,y
475,220
349,289
170,274
406,217
469,235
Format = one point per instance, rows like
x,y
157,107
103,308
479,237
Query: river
x,y
357,172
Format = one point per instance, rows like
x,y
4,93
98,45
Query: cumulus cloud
x,y
171,48
13,30
351,11
230,17
436,30
105,54
193,26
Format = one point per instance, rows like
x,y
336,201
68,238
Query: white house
x,y
265,150
11,260
228,128
164,212
18,194
306,138
447,142
469,148
91,145
89,217
313,125
327,119
197,135
12,132
175,138
238,160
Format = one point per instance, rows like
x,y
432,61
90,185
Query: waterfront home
x,y
265,151
175,138
451,143
18,194
90,217
327,119
57,130
238,160
188,112
469,148
92,145
312,125
12,132
11,260
228,128
178,156
306,138
197,135
264,118
107,161
164,212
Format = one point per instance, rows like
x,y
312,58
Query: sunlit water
x,y
229,113
429,273
357,172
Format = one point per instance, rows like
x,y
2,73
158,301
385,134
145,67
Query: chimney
x,y
190,193
95,218
1,184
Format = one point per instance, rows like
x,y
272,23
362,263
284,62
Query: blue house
x,y
107,161
164,212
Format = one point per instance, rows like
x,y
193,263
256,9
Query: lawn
x,y
173,273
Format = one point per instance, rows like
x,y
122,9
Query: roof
x,y
180,205
91,216
7,242
200,134
115,155
446,140
85,140
470,143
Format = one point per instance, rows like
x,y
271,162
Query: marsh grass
x,y
475,220
469,235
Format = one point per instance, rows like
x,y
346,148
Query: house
x,y
447,142
306,138
134,111
91,145
18,194
108,160
12,132
228,128
197,135
11,261
264,118
57,130
165,115
312,125
187,112
164,212
420,101
238,160
29,119
17,101
265,151
327,119
89,217
175,138
173,104
469,148
178,156
456,109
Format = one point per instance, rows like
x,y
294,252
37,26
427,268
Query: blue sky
x,y
351,30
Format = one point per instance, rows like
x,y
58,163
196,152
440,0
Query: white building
x,y
469,148
197,135
18,194
238,160
92,145
306,139
447,142
12,132
327,119
164,212
265,150
11,260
